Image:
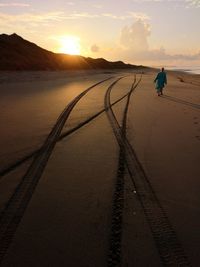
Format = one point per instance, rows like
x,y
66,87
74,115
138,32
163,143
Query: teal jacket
x,y
161,80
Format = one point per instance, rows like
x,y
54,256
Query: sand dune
x,y
17,53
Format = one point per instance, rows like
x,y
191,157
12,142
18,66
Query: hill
x,y
17,53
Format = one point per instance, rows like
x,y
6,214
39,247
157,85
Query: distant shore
x,y
190,69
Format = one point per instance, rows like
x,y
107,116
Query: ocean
x,y
194,70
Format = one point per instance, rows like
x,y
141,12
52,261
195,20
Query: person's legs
x,y
158,91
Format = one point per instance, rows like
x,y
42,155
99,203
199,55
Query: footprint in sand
x,y
195,120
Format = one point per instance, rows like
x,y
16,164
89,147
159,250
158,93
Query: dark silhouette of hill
x,y
17,53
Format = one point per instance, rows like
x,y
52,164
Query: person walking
x,y
161,81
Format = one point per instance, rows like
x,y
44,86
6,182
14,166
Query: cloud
x,y
30,17
134,47
193,3
106,15
128,15
14,5
94,48
7,20
73,16
134,37
81,15
188,3
28,22
139,16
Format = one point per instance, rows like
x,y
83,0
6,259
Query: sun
x,y
70,45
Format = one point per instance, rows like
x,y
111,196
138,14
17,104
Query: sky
x,y
147,32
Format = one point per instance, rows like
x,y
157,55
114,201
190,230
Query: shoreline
x,y
44,75
189,70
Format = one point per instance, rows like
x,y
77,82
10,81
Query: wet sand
x,y
68,220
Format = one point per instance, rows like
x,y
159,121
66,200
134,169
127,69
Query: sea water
x,y
189,69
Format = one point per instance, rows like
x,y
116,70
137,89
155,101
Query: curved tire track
x,y
22,160
114,257
169,248
11,216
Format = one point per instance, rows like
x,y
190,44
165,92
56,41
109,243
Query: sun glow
x,y
70,45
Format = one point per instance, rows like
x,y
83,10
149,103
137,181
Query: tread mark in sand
x,y
167,243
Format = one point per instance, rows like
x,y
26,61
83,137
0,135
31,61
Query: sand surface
x,y
68,221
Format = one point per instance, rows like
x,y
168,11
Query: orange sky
x,y
151,32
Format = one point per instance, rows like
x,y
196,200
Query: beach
x,y
119,177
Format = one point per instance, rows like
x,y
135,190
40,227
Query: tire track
x,y
168,246
114,257
177,100
22,160
11,216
